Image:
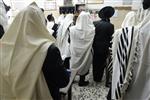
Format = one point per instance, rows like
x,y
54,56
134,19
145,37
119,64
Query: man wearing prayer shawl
x,y
51,25
129,19
81,36
131,81
30,63
63,38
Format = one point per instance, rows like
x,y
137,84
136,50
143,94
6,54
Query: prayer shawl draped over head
x,y
131,77
23,50
134,17
63,35
82,35
3,16
139,89
60,19
129,19
49,27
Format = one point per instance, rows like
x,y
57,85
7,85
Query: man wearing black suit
x,y
103,35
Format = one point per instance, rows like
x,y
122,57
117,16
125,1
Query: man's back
x,y
103,34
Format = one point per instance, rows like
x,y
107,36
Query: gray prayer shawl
x,y
23,49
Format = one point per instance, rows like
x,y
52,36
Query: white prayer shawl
x,y
120,61
129,19
140,85
115,40
137,77
50,26
60,19
82,35
63,35
3,16
23,49
134,17
140,15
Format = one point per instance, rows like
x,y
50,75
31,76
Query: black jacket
x,y
103,35
55,74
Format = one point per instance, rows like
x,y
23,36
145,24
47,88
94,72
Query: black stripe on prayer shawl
x,y
121,79
126,34
109,67
131,43
127,45
126,41
120,54
119,91
123,43
122,47
123,57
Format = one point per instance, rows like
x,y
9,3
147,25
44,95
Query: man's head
x,y
106,12
146,4
50,17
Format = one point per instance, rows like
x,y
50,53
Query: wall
x,y
119,17
119,5
136,4
122,7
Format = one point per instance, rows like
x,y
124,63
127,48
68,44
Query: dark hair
x,y
146,4
50,17
42,9
1,30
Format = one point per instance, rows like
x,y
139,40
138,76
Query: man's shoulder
x,y
53,48
96,22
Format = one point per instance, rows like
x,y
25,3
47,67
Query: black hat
x,y
106,12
